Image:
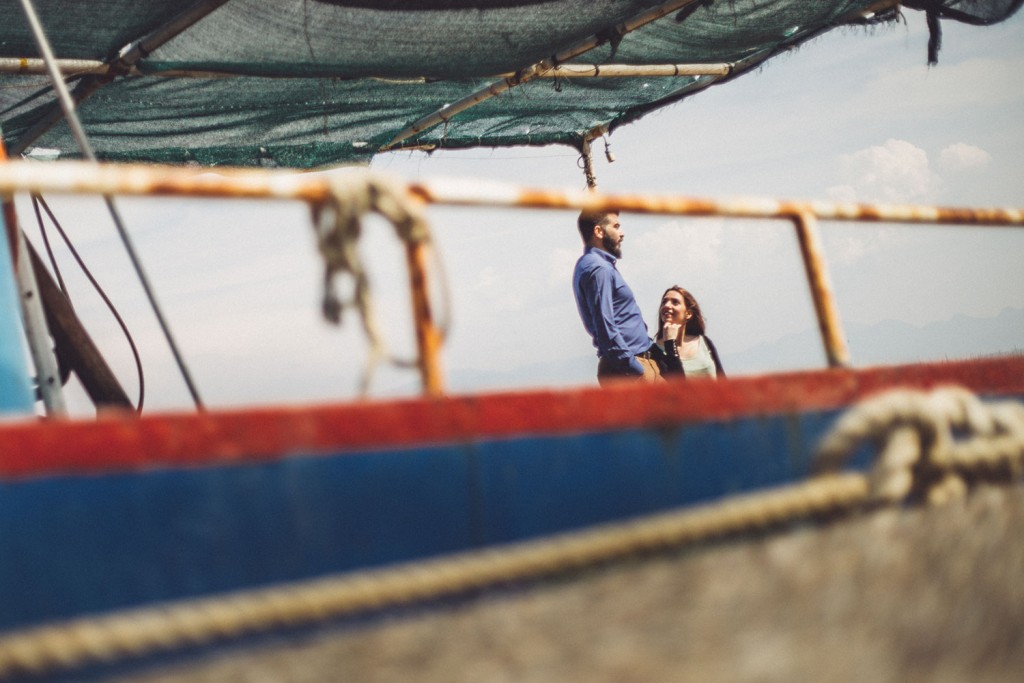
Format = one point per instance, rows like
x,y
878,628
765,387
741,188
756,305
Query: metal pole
x,y
428,337
821,290
37,334
68,106
79,177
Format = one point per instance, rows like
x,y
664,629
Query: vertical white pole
x,y
37,333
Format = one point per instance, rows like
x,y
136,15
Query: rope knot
x,y
928,444
338,225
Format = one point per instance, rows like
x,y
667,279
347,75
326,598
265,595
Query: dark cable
x,y
74,123
36,199
95,284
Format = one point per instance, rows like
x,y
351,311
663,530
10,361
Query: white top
x,y
701,365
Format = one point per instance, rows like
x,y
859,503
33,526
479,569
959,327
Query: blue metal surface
x,y
15,388
80,544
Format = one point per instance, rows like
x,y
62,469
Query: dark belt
x,y
646,355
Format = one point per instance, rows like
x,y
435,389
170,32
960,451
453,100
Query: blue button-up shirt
x,y
607,307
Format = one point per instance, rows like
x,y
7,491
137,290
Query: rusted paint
x,y
138,179
428,338
121,441
818,280
546,198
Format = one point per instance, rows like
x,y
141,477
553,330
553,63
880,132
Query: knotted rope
x,y
928,443
994,445
338,224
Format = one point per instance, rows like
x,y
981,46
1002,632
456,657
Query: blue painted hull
x,y
81,537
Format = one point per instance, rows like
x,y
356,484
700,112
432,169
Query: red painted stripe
x,y
125,442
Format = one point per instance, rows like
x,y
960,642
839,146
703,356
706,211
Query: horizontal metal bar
x,y
82,177
482,194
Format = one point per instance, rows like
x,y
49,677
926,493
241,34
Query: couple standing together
x,y
612,317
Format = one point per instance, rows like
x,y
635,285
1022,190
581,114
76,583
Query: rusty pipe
x,y
80,177
820,284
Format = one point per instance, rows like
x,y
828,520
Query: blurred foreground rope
x,y
952,432
338,224
929,445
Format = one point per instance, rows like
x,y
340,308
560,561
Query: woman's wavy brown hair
x,y
695,325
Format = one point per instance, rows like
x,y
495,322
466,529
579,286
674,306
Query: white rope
x,y
928,441
338,227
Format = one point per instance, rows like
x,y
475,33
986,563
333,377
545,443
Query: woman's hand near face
x,y
671,331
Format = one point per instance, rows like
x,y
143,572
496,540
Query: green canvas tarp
x,y
324,82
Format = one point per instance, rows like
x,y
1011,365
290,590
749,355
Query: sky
x,y
855,115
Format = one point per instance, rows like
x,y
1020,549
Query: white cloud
x,y
894,172
962,157
692,247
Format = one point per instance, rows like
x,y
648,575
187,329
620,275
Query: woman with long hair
x,y
682,347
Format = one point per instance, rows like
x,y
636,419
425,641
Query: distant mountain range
x,y
886,343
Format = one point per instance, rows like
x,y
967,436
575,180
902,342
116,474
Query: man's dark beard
x,y
611,246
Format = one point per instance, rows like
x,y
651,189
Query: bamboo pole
x,y
37,67
588,164
631,70
532,71
123,63
78,67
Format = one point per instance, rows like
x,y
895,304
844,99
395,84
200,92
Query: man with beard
x,y
606,304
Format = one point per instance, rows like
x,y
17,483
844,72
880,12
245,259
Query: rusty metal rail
x,y
82,177
127,179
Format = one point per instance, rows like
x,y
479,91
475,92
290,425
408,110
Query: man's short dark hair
x,y
589,220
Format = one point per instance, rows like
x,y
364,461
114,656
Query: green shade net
x,y
323,82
